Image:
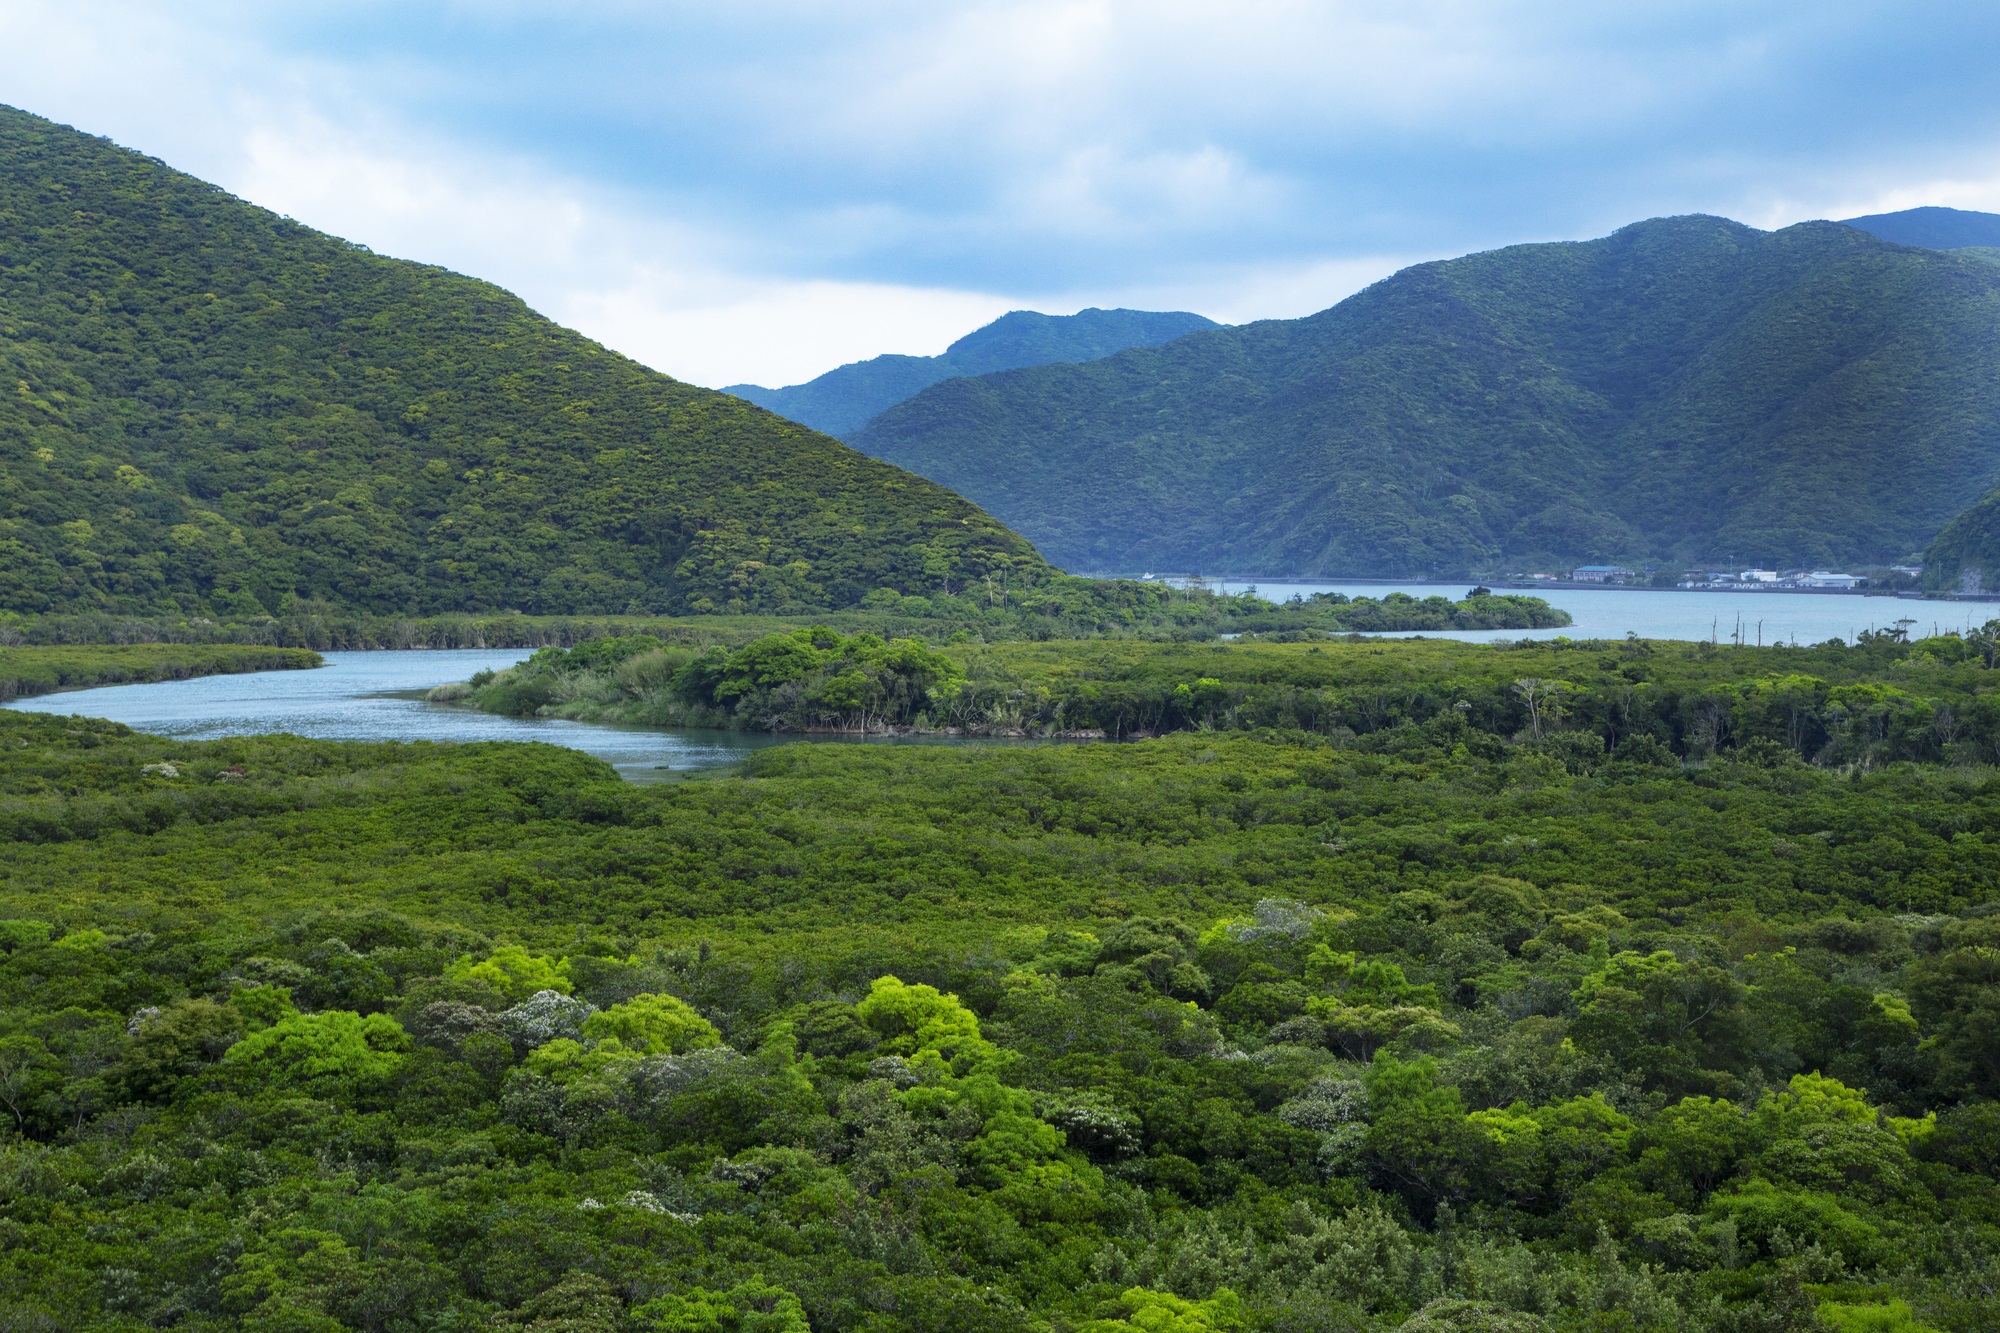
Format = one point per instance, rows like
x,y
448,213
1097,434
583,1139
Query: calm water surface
x,y
379,695
1669,613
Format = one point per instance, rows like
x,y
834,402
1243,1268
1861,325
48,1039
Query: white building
x,y
1821,578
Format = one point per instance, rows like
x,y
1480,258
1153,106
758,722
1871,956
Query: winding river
x,y
379,695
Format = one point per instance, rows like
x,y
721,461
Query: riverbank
x,y
1122,610
33,670
1223,583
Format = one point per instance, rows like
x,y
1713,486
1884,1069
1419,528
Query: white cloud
x,y
763,190
778,333
661,292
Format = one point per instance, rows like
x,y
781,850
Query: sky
x,y
759,191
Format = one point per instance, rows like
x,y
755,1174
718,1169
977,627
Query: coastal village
x,y
1743,580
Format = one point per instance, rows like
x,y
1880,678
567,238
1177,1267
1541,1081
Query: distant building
x,y
1760,576
1911,570
1601,573
1821,578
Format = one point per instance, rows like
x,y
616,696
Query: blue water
x,y
1670,613
379,695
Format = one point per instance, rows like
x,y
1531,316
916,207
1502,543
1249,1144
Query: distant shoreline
x,y
1571,585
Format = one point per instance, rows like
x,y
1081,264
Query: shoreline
x,y
1570,585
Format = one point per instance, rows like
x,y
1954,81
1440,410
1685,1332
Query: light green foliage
x,y
261,1006
918,1021
1892,1317
748,1307
18,931
565,1060
514,972
653,1025
333,1045
1771,1216
1164,1312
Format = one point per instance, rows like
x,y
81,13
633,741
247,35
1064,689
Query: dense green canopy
x,y
1965,555
1686,389
1620,1017
211,409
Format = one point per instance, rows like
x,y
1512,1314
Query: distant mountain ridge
x,y
1686,389
1932,227
212,410
843,400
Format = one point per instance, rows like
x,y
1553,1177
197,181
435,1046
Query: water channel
x,y
1673,613
379,695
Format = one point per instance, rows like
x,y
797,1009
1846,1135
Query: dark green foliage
x,y
1965,554
843,400
1575,705
1413,1025
218,411
1681,390
39,670
812,679
1054,606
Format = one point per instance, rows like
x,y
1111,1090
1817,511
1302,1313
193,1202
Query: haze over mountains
x,y
215,410
218,411
1933,228
1686,389
844,399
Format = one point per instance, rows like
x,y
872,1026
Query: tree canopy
x,y
217,411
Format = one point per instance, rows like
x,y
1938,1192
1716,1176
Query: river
x,y
379,695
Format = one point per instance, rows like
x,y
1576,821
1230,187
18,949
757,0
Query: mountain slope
x,y
1931,227
1965,554
843,400
214,410
1686,388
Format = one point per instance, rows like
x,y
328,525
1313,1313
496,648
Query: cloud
x,y
761,190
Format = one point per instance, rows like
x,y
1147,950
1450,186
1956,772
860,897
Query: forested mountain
x,y
215,410
1686,388
1933,228
843,400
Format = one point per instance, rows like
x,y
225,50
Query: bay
x,y
1673,613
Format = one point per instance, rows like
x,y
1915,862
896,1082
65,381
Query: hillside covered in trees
x,y
1965,555
216,411
844,399
1434,987
1686,389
